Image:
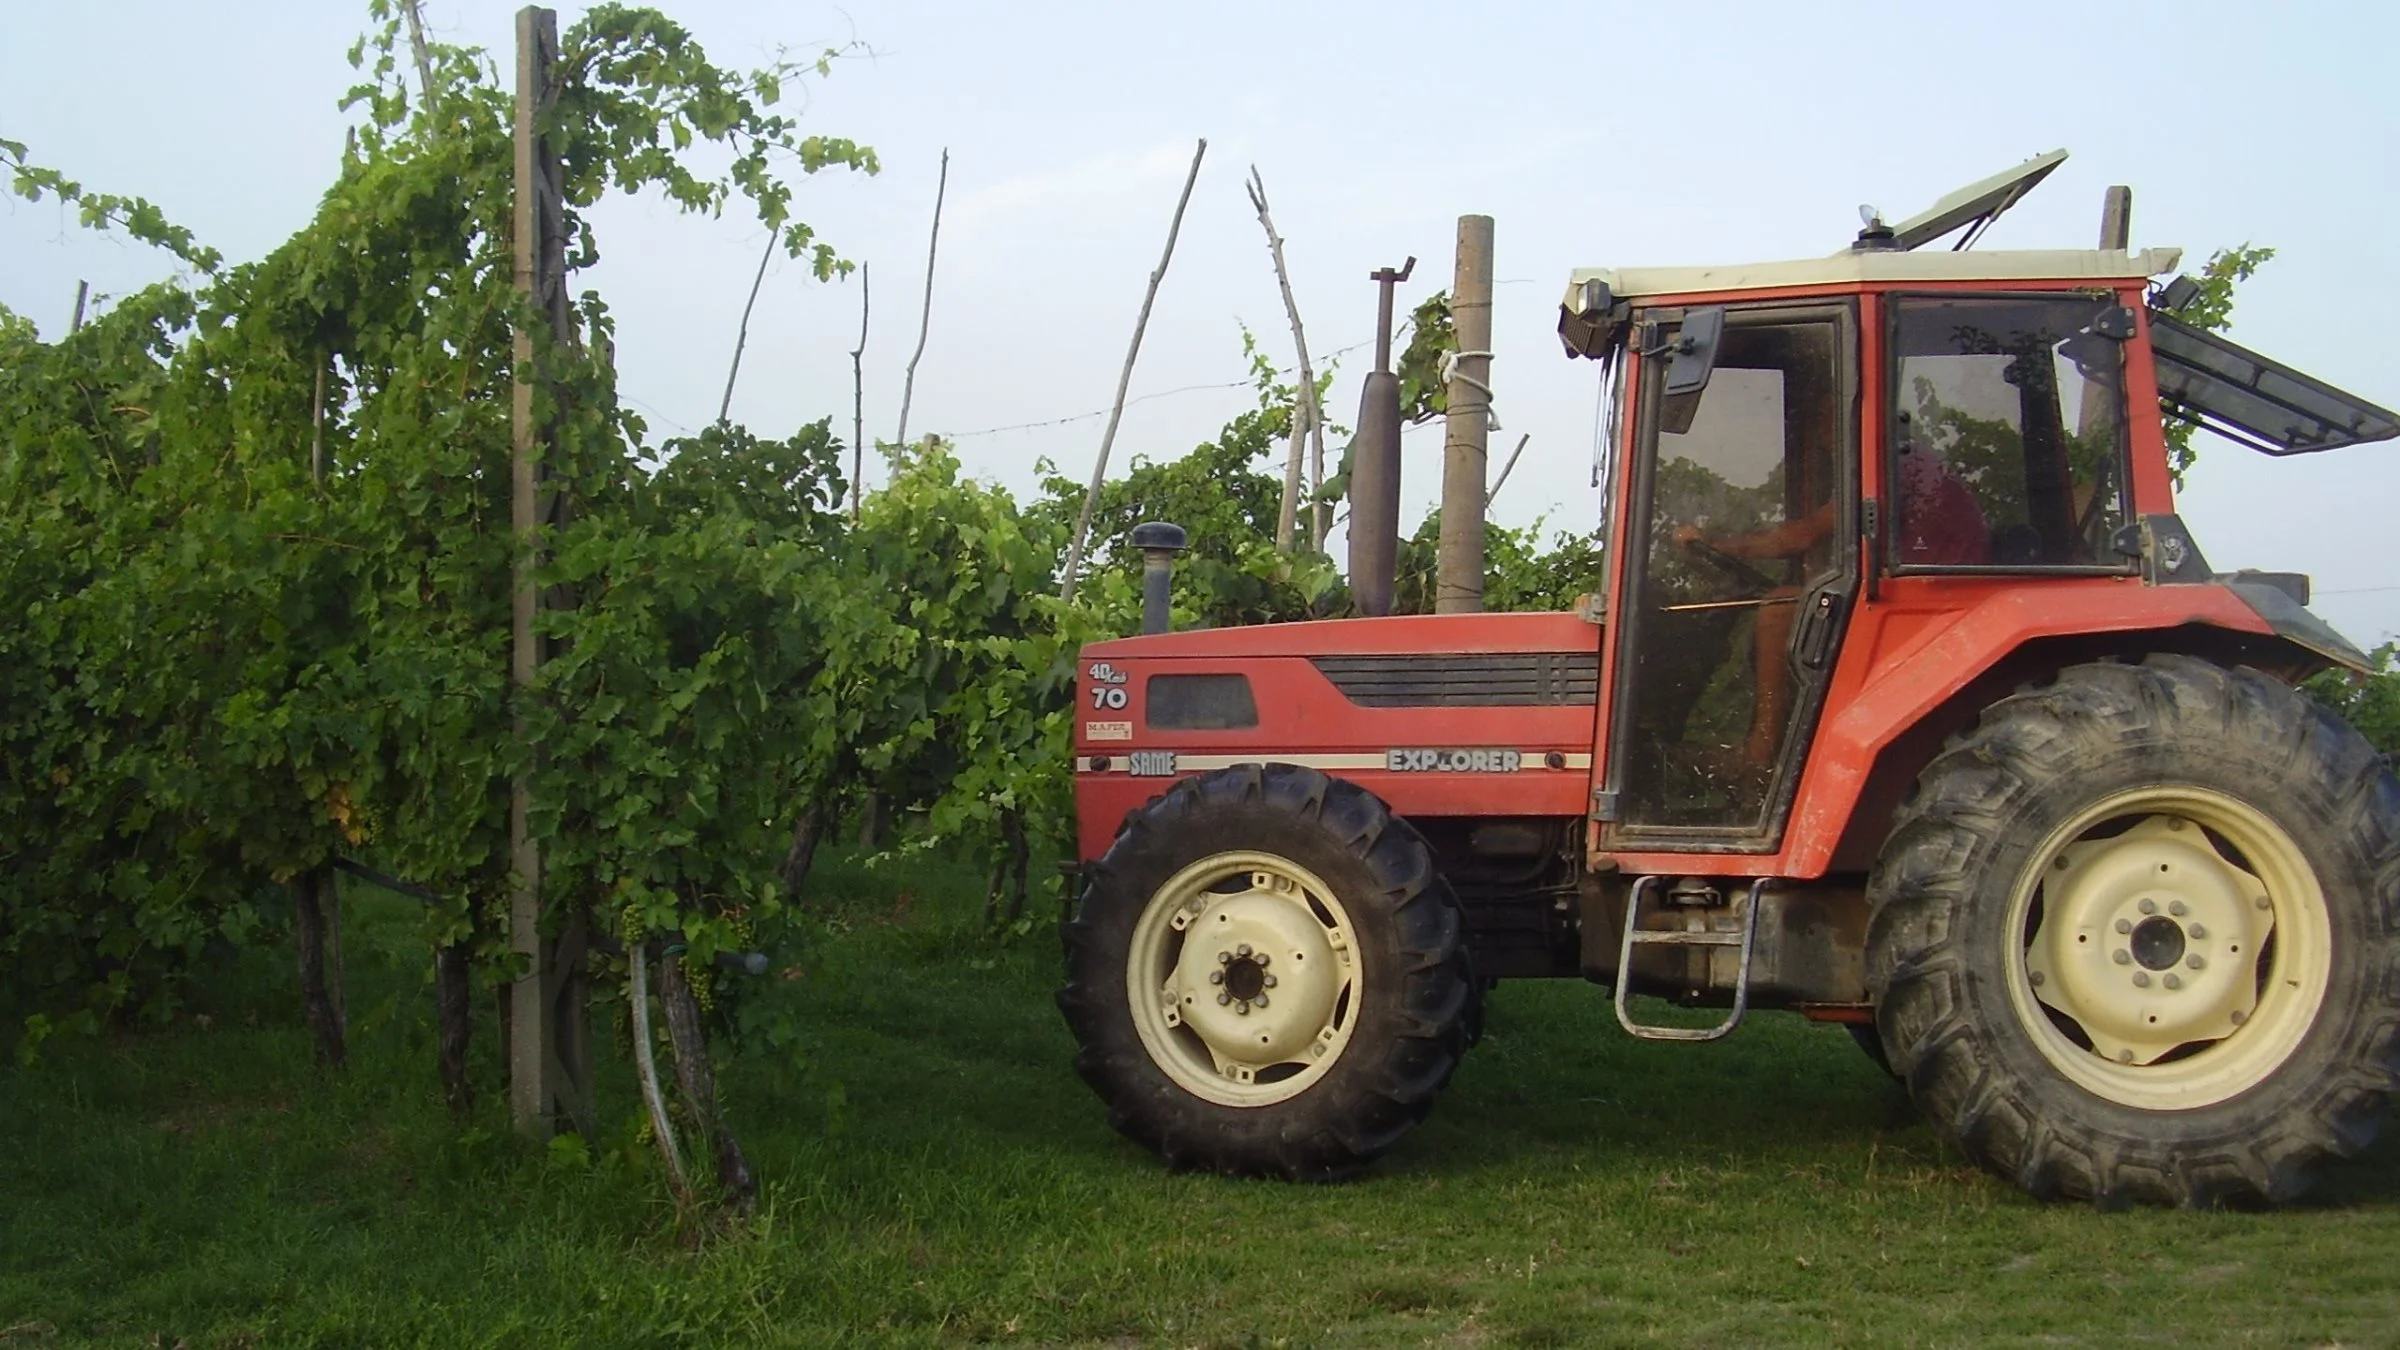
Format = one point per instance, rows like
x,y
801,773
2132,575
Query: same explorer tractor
x,y
1905,702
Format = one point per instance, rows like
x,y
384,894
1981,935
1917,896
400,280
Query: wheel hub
x,y
1252,976
2149,940
2158,943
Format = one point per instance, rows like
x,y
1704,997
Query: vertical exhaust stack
x,y
1375,465
1159,542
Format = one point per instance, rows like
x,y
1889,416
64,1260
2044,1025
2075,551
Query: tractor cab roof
x,y
1870,266
2203,378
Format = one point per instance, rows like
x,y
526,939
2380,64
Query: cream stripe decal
x,y
1121,761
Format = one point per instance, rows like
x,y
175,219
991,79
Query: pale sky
x,y
1596,134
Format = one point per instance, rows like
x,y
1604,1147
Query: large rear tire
x,y
1265,976
2137,937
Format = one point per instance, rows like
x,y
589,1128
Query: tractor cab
x,y
1952,437
1906,703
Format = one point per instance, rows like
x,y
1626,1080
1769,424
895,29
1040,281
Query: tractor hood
x,y
1429,635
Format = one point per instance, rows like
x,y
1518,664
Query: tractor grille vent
x,y
1497,679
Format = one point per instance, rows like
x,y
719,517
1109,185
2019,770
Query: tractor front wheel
x,y
1265,976
2137,937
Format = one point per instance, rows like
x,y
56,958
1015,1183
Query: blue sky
x,y
1596,134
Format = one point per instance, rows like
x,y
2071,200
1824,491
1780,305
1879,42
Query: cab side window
x,y
2007,434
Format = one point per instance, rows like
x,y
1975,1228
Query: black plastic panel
x,y
1200,703
1492,679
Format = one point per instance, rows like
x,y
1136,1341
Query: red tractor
x,y
1906,702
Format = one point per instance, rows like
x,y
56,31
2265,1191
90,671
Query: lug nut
x,y
1216,977
2196,930
1242,1008
1261,1000
2195,961
2141,979
1223,999
2148,906
1270,982
1243,950
1224,958
1263,960
2124,925
2122,957
2173,981
2178,908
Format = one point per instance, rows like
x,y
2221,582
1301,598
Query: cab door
x,y
1739,570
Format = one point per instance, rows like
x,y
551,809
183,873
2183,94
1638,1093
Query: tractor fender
x,y
2296,624
2009,637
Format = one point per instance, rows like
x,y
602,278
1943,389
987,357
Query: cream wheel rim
x,y
1244,979
2170,948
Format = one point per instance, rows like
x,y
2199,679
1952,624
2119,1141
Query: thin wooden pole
x,y
1116,411
316,428
645,1063
858,401
83,292
1306,416
1507,469
1287,511
908,387
741,335
414,9
1458,575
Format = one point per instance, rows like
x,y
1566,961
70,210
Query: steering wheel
x,y
1753,580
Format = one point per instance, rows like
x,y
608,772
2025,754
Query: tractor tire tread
x,y
1409,1036
1923,966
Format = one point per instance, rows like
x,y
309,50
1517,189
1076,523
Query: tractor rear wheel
x,y
2137,937
1265,976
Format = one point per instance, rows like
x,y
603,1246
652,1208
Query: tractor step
x,y
1745,938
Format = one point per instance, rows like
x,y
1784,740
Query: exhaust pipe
x,y
1159,543
1375,465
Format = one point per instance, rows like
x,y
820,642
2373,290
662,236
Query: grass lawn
x,y
935,1173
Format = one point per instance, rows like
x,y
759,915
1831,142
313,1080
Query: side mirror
x,y
1695,351
1691,355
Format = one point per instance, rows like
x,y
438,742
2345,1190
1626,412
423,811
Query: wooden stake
x,y
318,999
741,336
1507,469
1306,415
414,9
1116,411
2116,217
83,292
453,991
548,1071
316,429
858,402
645,1063
2116,231
908,387
1458,576
1287,512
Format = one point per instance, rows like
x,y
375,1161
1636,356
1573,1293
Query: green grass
x,y
934,1174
